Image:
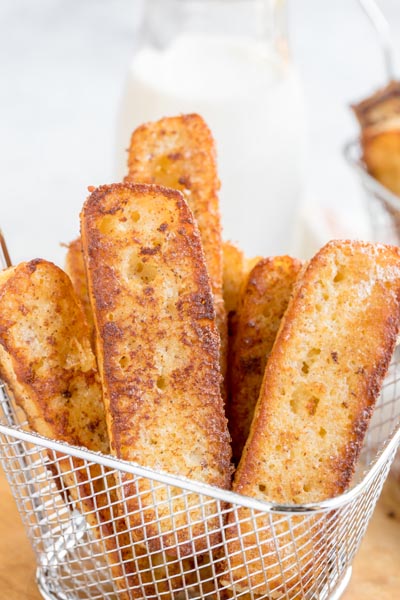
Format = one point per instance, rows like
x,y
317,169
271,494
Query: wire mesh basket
x,y
85,548
382,205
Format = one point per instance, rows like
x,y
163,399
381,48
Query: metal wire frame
x,y
383,208
382,205
283,552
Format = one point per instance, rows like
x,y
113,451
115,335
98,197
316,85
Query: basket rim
x,y
382,456
353,155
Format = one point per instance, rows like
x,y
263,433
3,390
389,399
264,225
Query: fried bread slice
x,y
75,267
320,385
50,370
158,354
179,153
262,305
379,119
381,154
233,275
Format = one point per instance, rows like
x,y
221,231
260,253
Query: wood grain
x,y
376,572
17,561
376,569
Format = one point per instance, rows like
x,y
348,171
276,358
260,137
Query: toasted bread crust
x,y
263,302
381,154
233,274
320,385
179,153
49,368
382,106
75,267
158,348
379,118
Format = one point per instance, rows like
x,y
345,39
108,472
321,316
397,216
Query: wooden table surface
x,y
376,570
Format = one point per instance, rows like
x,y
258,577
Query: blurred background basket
x,y
382,205
71,558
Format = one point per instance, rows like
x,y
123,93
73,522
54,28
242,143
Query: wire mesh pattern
x,y
88,546
382,205
383,208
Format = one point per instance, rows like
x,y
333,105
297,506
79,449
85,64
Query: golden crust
x,y
233,274
179,153
75,267
379,118
381,154
263,302
158,350
49,368
382,106
320,385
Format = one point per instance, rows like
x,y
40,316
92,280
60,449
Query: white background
x,y
62,68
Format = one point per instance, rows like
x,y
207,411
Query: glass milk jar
x,y
227,60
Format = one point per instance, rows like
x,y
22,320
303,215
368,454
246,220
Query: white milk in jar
x,y
252,101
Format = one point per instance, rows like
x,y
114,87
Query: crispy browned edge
x,y
192,169
380,106
101,298
261,306
31,397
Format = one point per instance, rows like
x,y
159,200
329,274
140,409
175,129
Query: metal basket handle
x,y
382,30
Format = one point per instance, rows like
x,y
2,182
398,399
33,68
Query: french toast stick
x,y
233,275
50,370
235,272
379,119
179,153
262,305
75,268
320,385
381,154
158,355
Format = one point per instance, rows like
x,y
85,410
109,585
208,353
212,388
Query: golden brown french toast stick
x,y
49,367
233,275
379,119
75,267
179,153
320,385
381,154
261,307
158,353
